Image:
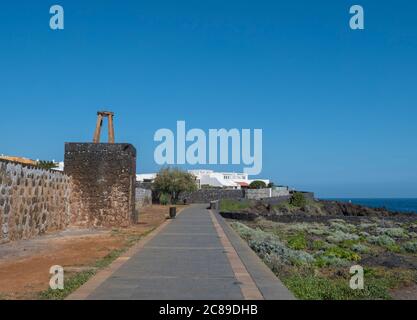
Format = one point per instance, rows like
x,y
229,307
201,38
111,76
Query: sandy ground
x,y
24,265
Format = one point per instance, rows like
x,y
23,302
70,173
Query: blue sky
x,y
338,108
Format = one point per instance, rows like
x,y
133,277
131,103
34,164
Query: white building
x,y
226,180
146,177
60,166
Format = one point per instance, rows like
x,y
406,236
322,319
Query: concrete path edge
x,y
268,284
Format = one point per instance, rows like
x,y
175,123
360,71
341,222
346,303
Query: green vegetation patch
x,y
228,205
342,253
393,232
298,241
340,236
410,246
70,285
322,288
270,248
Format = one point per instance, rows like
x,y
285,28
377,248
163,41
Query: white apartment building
x,y
226,180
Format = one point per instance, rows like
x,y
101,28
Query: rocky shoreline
x,y
317,211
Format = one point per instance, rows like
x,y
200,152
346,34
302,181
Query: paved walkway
x,y
194,257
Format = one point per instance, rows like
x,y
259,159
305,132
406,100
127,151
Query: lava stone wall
x,y
258,194
104,177
208,195
32,201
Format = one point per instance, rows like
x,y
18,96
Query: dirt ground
x,y
25,265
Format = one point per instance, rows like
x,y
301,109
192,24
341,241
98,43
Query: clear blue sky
x,y
338,107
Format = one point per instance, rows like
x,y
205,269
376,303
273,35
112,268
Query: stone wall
x,y
258,194
32,201
104,177
208,195
143,197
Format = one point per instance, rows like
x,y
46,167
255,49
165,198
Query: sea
x,y
400,205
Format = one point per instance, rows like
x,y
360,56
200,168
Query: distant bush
x,y
257,185
393,232
318,230
410,246
339,236
345,227
382,240
164,199
360,248
298,200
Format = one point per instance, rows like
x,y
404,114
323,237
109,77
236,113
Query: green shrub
x,y
382,240
319,245
345,227
364,226
393,232
298,241
360,248
244,231
410,246
330,261
267,245
298,200
321,231
342,253
257,185
164,199
339,236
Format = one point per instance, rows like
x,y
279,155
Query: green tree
x,y
257,185
173,181
298,200
47,165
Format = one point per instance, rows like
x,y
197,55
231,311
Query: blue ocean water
x,y
401,205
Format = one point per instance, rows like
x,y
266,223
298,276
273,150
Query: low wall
x,y
143,197
258,194
308,195
32,201
276,200
208,195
